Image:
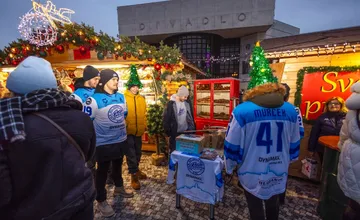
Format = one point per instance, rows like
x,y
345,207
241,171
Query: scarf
x,y
12,126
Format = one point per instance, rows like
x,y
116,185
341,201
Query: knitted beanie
x,y
31,74
90,72
182,91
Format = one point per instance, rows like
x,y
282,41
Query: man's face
x,y
183,98
134,90
93,82
112,84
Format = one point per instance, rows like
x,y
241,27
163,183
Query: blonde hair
x,y
340,100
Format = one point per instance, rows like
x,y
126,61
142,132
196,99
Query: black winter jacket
x,y
170,118
44,177
327,124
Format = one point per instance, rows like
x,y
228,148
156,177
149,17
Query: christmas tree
x,y
134,79
261,72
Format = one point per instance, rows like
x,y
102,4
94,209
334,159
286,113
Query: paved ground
x,y
156,200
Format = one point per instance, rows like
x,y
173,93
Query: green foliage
x,y
167,55
134,79
86,36
261,72
309,70
154,119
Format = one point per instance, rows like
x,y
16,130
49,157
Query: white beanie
x,y
31,74
183,91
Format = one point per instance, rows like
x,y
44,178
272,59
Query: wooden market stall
x,y
316,66
162,70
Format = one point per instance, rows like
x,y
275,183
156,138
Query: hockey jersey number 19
x,y
262,141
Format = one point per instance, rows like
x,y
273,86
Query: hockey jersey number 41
x,y
262,141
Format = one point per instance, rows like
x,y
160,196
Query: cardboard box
x,y
190,143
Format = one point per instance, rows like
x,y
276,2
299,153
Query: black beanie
x,y
90,72
287,88
105,76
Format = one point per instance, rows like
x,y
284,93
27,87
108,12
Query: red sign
x,y
320,86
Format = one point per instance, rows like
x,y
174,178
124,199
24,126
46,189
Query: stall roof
x,y
337,36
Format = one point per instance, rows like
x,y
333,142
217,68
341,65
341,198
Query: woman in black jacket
x,y
42,172
327,124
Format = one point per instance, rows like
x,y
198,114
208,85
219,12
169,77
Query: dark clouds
x,y
309,15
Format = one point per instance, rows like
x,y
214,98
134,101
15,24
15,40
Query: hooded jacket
x,y
263,137
349,161
51,182
170,119
136,116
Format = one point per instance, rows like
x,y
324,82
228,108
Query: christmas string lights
x,y
38,25
36,28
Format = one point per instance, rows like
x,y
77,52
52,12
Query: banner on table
x,y
318,87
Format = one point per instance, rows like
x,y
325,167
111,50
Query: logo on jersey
x,y
116,114
88,101
195,166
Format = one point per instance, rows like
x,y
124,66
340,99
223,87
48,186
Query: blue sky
x,y
308,15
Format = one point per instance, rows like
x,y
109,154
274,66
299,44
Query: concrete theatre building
x,y
216,35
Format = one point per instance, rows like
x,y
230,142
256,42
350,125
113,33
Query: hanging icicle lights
x,y
38,25
316,50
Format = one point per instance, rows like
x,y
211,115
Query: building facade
x,y
216,35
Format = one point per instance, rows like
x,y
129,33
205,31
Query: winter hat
x,y
31,74
287,88
105,76
353,102
90,72
183,91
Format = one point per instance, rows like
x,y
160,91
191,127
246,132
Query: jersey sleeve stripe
x,y
302,132
219,180
231,146
295,150
295,145
171,165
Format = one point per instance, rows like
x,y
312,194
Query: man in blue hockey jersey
x,y
85,86
263,137
107,108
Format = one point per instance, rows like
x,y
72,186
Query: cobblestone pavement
x,y
156,200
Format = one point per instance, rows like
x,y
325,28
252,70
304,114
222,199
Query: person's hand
x,y
311,154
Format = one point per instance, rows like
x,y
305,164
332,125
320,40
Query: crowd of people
x,y
56,149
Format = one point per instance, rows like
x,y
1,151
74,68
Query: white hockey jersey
x,y
108,113
197,179
262,141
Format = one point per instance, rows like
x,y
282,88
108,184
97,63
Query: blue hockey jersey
x,y
197,179
108,113
82,94
300,121
262,141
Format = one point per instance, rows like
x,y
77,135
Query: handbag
x,y
72,141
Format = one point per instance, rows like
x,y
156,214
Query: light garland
x,y
318,50
36,28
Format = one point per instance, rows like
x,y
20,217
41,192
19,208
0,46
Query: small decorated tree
x,y
134,79
261,72
155,128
